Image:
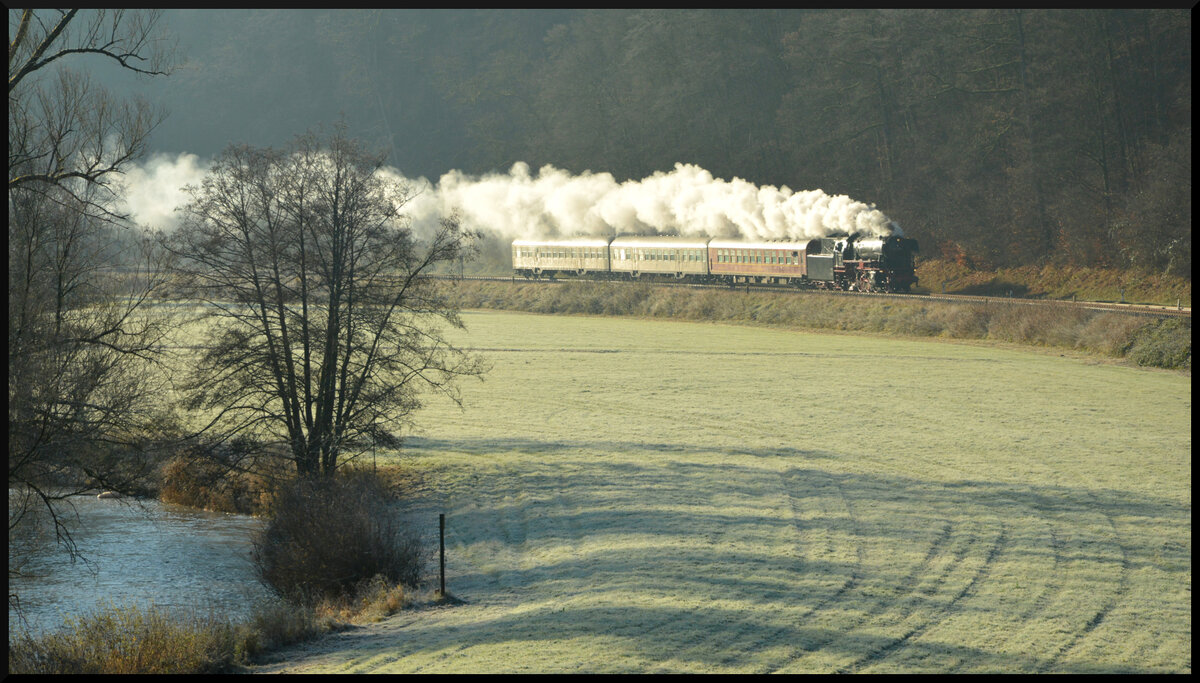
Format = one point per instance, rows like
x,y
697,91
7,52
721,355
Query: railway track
x,y
1126,308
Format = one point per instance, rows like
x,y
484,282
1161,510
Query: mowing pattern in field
x,y
636,496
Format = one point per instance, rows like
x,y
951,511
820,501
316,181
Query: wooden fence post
x,y
442,550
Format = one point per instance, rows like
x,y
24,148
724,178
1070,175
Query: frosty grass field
x,y
645,496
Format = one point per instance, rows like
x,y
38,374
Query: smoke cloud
x,y
154,190
687,201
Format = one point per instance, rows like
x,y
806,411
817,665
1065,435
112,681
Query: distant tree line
x,y
995,136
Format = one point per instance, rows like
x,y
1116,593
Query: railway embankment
x,y
1061,282
1138,340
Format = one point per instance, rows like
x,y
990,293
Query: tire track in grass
x,y
1079,638
831,506
858,591
1050,588
981,574
1042,602
853,573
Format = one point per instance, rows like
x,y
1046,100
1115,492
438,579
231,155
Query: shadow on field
x,y
677,561
417,445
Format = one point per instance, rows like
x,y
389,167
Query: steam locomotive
x,y
848,262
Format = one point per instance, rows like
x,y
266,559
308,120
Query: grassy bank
x,y
119,639
645,495
1142,341
1056,282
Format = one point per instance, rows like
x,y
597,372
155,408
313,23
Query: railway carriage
x,y
758,262
551,258
677,257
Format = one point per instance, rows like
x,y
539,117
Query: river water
x,y
137,554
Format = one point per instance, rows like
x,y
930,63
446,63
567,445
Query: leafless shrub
x,y
327,535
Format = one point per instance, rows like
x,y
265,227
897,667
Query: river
x,y
137,554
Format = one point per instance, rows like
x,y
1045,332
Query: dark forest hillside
x,y
1009,137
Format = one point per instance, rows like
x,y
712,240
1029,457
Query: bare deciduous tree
x,y
80,340
325,324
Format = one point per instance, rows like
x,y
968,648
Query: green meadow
x,y
626,495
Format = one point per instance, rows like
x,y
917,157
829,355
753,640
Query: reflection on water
x,y
142,553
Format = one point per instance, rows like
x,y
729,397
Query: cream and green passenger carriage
x,y
674,256
550,258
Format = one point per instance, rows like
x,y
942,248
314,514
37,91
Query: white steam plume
x,y
154,189
687,201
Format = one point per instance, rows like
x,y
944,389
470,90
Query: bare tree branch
x,y
326,322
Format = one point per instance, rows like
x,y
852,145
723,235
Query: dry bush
x,y
275,624
1163,344
1108,333
327,536
136,640
961,322
207,479
370,601
129,640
